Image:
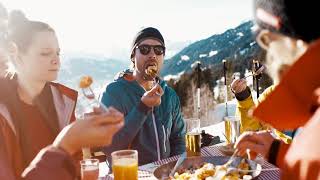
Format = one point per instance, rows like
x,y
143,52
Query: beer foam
x,y
90,168
125,162
193,133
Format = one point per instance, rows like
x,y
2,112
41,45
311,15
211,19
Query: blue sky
x,y
108,26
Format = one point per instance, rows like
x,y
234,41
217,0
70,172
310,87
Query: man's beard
x,y
273,68
278,66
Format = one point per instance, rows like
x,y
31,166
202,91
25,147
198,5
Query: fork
x,y
232,158
233,169
178,163
89,94
259,71
156,81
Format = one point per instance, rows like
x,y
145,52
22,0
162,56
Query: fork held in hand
x,y
178,163
232,158
88,93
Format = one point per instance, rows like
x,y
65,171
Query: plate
x,y
163,171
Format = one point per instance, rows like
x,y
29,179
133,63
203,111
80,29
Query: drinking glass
x,y
125,164
193,137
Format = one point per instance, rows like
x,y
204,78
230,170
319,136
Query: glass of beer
x,y
89,169
125,164
232,128
193,137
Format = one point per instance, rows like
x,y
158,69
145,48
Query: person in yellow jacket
x,y
246,104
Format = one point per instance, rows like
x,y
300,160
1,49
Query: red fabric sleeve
x,y
51,163
6,171
283,148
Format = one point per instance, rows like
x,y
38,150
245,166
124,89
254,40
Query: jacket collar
x,y
64,102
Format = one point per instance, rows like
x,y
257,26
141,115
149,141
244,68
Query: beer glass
x,y
232,128
89,169
193,137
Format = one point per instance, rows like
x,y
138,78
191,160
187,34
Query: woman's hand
x,y
93,131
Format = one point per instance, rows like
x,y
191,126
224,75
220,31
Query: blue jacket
x,y
156,133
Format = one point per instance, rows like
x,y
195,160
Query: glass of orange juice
x,y
125,164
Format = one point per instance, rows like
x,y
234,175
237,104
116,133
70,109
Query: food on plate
x,y
209,171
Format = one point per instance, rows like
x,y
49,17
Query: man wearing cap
x,y
153,122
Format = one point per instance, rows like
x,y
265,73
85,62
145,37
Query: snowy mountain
x,y
234,44
237,43
100,68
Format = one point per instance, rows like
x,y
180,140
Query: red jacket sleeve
x,y
6,164
6,171
51,163
302,161
283,148
277,153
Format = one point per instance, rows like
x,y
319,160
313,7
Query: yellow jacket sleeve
x,y
248,123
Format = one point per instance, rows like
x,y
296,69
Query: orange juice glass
x,y
125,164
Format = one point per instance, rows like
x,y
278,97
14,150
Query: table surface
x,y
146,171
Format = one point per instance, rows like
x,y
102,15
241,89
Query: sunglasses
x,y
157,49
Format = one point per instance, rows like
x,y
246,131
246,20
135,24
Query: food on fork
x,y
85,81
152,70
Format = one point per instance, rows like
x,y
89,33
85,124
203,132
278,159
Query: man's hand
x,y
238,85
152,97
94,131
257,142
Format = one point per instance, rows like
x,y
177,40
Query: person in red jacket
x,y
55,161
292,41
33,109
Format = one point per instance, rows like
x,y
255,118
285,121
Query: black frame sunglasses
x,y
157,49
